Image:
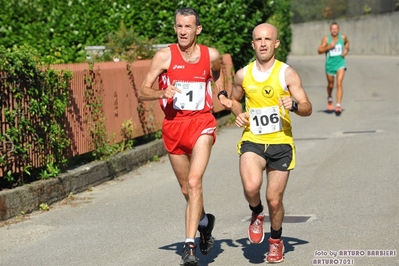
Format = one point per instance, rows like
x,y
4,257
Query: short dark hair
x,y
188,11
334,23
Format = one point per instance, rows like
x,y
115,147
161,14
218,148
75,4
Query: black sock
x,y
276,234
258,209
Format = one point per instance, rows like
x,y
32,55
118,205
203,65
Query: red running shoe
x,y
276,251
255,229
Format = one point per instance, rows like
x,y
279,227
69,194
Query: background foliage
x,y
60,30
36,33
33,100
312,10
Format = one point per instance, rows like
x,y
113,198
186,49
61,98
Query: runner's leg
x,y
330,85
193,183
251,170
276,184
340,78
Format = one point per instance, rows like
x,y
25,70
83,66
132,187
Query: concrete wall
x,y
368,35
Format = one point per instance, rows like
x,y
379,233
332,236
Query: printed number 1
x,y
190,96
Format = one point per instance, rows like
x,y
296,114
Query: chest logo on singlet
x,y
178,67
268,91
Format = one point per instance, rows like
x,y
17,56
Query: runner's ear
x,y
199,29
277,44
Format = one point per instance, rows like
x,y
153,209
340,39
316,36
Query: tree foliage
x,y
312,10
33,104
60,30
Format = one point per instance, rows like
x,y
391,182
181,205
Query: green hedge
x,y
60,30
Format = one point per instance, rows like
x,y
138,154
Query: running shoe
x,y
188,258
276,251
338,110
255,229
330,105
206,239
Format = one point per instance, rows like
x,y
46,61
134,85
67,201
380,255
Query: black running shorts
x,y
278,156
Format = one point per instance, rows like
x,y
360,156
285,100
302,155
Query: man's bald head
x,y
265,27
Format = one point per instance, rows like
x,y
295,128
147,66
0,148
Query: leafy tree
x,y
60,30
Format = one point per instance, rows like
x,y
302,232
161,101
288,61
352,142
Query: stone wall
x,y
368,35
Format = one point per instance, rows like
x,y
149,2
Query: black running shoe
x,y
206,239
188,257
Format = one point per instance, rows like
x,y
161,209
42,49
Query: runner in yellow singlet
x,y
273,90
336,47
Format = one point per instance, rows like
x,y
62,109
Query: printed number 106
x,y
264,119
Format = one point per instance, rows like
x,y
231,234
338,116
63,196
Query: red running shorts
x,y
180,135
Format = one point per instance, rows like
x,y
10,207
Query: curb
x,y
27,199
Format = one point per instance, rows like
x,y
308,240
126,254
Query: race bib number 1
x,y
192,96
265,120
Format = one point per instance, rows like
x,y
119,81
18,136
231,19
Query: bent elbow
x,y
310,111
140,96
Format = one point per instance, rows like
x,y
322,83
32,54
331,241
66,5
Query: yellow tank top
x,y
269,122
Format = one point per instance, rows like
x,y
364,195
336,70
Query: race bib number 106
x,y
265,120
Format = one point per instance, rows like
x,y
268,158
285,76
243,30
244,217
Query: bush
x,y
60,30
33,102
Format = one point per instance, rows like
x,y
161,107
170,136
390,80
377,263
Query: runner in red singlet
x,y
185,71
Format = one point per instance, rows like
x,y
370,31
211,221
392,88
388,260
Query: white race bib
x,y
265,120
337,51
192,96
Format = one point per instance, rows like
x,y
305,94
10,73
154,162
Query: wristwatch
x,y
223,92
294,106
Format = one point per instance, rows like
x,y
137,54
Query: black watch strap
x,y
223,92
294,106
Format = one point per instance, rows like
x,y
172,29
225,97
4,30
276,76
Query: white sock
x,y
338,105
190,240
204,221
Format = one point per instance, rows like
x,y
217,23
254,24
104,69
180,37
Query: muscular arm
x,y
159,64
346,46
215,59
236,95
237,92
216,65
324,47
294,85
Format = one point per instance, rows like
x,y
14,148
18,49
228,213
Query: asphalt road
x,y
342,203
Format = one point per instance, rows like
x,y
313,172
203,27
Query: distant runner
x,y
336,47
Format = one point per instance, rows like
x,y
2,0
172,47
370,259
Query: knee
x,y
251,190
274,203
194,184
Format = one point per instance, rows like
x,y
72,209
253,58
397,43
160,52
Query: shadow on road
x,y
326,111
255,254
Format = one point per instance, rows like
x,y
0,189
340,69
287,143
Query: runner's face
x,y
264,42
334,29
186,30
